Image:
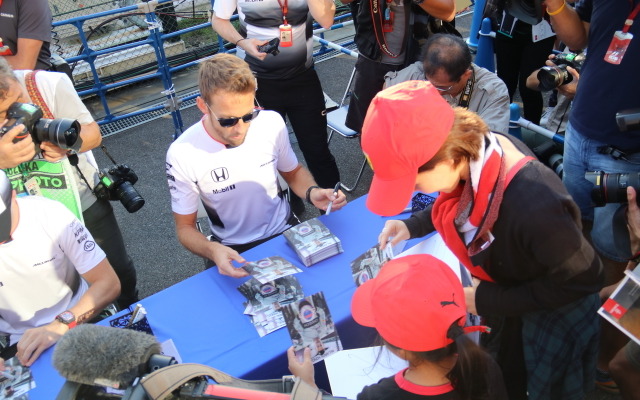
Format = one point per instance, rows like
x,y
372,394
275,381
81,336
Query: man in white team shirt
x,y
52,274
230,161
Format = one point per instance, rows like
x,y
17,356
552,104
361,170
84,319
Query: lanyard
x,y
629,21
285,9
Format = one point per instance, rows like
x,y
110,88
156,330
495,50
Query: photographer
x,y
287,82
54,276
564,79
54,91
25,33
608,84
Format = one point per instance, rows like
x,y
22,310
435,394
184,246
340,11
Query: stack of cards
x,y
264,301
313,242
310,325
270,268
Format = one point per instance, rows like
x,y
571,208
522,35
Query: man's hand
x,y
395,230
250,46
568,90
52,152
12,154
304,370
36,340
633,220
223,256
322,197
470,296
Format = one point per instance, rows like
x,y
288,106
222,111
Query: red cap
x,y
412,303
405,126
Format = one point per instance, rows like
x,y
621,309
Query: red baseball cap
x,y
412,303
405,127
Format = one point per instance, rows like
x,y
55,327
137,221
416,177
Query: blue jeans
x,y
609,234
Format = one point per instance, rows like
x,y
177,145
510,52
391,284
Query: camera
x,y
612,188
116,183
550,154
550,77
63,132
271,47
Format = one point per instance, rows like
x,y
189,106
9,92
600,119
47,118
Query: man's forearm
x,y
299,180
442,9
225,29
322,11
567,24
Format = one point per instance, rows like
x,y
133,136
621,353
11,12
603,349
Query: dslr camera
x,y
271,47
116,183
63,132
550,77
612,188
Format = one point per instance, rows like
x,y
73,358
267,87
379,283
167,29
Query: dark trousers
x,y
301,100
516,59
367,82
102,224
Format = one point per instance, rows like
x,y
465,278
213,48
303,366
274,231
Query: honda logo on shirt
x,y
220,174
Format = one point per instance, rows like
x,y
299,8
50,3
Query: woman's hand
x,y
394,232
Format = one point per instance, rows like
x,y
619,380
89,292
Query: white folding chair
x,y
336,123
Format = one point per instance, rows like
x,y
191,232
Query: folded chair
x,y
336,123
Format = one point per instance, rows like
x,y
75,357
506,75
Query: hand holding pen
x,y
328,199
335,194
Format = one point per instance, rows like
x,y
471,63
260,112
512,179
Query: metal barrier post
x,y
514,117
172,103
484,56
478,9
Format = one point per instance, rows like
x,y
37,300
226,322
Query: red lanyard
x,y
630,18
285,10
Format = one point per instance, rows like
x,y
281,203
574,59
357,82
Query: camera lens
x,y
63,132
129,197
611,188
550,77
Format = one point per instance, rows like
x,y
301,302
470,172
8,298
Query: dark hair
x,y
469,375
448,52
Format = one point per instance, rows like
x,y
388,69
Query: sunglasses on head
x,y
233,121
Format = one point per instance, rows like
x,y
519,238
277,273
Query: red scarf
x,y
472,208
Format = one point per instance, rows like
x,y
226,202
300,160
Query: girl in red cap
x,y
416,303
508,219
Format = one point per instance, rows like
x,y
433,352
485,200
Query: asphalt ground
x,y
160,259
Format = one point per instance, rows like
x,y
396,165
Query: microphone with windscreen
x,y
105,356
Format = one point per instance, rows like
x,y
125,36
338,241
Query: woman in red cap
x,y
508,219
416,303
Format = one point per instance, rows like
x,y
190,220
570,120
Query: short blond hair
x,y
464,140
225,72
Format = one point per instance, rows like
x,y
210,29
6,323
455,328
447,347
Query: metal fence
x,y
115,44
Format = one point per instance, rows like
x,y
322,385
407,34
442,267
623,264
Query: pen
x,y
335,192
134,314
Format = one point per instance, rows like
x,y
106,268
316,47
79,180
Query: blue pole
x,y
478,9
484,55
514,116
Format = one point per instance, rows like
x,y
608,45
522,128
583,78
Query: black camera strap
x,y
616,154
73,160
465,98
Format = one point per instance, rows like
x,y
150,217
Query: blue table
x,y
204,314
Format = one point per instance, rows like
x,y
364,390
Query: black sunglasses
x,y
233,121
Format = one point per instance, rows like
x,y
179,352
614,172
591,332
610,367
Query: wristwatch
x,y
67,318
